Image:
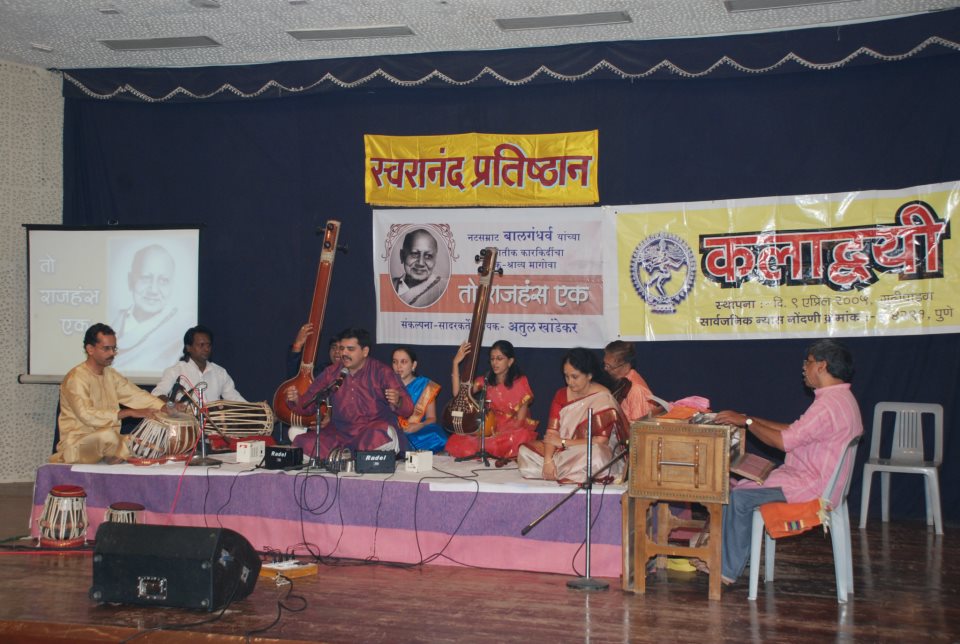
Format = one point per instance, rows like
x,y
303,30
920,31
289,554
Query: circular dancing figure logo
x,y
663,269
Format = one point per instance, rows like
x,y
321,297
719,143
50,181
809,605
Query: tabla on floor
x,y
63,522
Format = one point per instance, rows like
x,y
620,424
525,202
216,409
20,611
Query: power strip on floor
x,y
291,569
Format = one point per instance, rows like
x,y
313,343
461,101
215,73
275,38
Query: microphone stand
x,y
482,454
203,459
585,582
315,462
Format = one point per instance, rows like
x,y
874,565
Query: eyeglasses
x,y
108,347
610,367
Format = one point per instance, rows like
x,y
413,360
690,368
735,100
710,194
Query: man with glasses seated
x,y
91,396
618,359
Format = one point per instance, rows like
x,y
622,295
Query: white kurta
x,y
219,383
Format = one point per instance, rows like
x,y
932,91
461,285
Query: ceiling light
x,y
109,10
733,6
205,4
149,44
347,34
566,20
41,47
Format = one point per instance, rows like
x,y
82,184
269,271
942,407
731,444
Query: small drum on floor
x,y
170,436
240,419
63,522
123,512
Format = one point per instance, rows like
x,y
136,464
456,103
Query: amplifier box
x,y
376,462
280,457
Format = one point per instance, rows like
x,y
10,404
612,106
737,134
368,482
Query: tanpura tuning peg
x,y
476,258
500,271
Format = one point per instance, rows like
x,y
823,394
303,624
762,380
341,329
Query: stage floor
x,y
457,514
906,586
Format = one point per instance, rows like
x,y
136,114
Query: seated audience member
x,y
562,454
91,396
195,366
618,359
507,423
421,426
364,411
814,444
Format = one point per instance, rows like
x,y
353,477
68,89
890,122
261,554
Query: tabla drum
x,y
240,419
172,435
63,522
123,512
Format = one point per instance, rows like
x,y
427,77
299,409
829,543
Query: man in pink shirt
x,y
814,444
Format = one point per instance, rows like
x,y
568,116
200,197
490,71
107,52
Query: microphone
x,y
339,381
174,388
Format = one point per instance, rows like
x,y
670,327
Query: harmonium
x,y
683,460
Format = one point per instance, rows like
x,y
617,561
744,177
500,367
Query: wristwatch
x,y
563,443
748,422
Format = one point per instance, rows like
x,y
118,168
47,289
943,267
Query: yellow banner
x,y
482,169
852,264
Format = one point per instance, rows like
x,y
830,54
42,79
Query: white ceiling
x,y
254,31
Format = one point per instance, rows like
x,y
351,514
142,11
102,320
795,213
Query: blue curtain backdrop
x,y
261,168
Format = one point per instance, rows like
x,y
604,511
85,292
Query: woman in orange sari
x,y
421,426
507,423
562,454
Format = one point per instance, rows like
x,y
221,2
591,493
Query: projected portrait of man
x,y
148,331
419,286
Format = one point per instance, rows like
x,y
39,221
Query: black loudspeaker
x,y
159,565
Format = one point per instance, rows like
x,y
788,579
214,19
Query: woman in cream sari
x,y
562,454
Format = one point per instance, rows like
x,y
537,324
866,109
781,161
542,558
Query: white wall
x,y
31,192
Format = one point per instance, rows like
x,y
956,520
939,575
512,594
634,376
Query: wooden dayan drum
x,y
123,512
63,522
240,419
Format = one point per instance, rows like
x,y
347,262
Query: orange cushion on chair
x,y
788,519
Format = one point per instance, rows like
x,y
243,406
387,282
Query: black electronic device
x,y
280,457
376,462
176,566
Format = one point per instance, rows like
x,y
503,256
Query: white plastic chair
x,y
837,522
906,457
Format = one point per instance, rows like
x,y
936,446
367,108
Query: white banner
x,y
551,293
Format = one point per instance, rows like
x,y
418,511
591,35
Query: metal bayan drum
x,y
240,419
63,522
171,435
